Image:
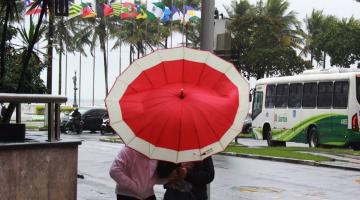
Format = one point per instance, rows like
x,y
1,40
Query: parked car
x,y
246,129
91,119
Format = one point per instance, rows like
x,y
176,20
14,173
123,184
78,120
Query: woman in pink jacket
x,y
134,175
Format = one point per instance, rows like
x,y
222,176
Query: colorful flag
x,y
74,10
166,15
108,10
116,9
28,3
103,10
142,12
150,16
128,11
34,9
87,11
190,12
176,14
158,9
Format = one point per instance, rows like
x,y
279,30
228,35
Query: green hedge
x,y
40,109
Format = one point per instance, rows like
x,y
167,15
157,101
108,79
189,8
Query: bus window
x,y
257,104
341,93
295,95
325,95
270,96
309,95
282,94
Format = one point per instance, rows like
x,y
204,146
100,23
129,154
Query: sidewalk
x,y
340,161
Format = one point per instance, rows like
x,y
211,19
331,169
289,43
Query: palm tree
x,y
11,13
62,41
81,38
314,25
291,33
33,37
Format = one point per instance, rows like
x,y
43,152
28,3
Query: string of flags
x,y
126,11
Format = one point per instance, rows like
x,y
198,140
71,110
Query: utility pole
x,y
207,25
207,35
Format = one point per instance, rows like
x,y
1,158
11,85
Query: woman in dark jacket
x,y
191,180
199,175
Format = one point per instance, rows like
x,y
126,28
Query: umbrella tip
x,y
182,93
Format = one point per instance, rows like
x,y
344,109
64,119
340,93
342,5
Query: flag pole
x,y
171,21
93,89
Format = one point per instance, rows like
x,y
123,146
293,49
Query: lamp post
x,y
75,88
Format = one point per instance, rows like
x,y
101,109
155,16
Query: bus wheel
x,y
269,140
313,138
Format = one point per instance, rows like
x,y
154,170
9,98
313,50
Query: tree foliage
x,y
265,37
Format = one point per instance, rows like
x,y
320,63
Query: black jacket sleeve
x,y
201,173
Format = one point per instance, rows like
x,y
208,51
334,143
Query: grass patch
x,y
30,127
37,120
276,152
329,150
243,135
114,139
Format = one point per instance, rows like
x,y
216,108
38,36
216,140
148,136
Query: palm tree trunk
x,y
60,69
66,71
138,50
80,81
50,37
186,36
106,74
311,59
130,61
93,96
3,40
120,59
25,63
324,61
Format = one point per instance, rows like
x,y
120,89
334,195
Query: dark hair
x,y
165,168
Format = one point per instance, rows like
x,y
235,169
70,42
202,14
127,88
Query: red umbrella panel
x,y
178,104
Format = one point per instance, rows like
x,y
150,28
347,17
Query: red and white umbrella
x,y
178,104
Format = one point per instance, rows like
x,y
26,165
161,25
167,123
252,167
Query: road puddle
x,y
253,189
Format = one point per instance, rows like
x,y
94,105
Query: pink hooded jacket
x,y
134,174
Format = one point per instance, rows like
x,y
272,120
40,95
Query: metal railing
x,y
53,102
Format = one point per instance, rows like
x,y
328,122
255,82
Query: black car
x,y
91,119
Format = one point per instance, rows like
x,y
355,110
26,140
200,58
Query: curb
x,y
289,160
276,159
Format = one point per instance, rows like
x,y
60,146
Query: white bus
x,y
318,107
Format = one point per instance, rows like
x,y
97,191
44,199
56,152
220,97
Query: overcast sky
x,y
339,8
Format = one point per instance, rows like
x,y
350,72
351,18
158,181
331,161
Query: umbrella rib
x,y
198,138
202,72
179,134
161,133
209,124
146,76
166,78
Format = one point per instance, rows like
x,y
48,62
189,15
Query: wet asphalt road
x,y
235,178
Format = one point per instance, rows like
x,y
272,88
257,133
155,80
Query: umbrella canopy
x,y
178,104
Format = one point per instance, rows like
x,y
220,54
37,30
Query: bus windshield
x,y
257,104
